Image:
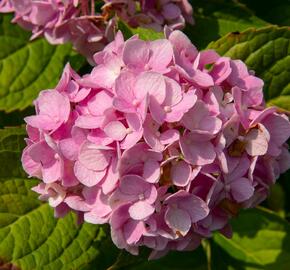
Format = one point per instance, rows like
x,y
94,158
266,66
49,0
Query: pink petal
x,y
100,103
77,203
178,220
173,92
133,185
197,152
93,158
52,172
151,171
41,153
89,122
257,140
115,130
161,54
133,231
202,79
242,189
88,177
43,122
124,86
123,106
69,148
134,121
278,127
131,139
169,136
157,111
152,83
112,178
180,174
141,210
136,53
54,104
187,102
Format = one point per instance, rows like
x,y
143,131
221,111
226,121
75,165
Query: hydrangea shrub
x,y
153,148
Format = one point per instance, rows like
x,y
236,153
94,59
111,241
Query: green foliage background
x,y
255,31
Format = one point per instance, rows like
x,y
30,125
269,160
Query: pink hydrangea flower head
x,y
156,145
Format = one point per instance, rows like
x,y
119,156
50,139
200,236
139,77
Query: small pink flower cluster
x,y
161,141
154,14
79,22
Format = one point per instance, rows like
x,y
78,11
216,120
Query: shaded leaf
x,y
215,18
277,12
260,241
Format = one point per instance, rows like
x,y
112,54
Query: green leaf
x,y
267,52
276,13
215,18
30,236
221,260
26,67
260,241
144,33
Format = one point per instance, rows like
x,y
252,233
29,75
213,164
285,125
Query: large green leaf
x,y
267,52
26,67
30,237
260,241
215,18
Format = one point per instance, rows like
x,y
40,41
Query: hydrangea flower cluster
x,y
90,29
160,141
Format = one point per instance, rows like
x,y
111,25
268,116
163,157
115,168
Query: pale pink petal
x,y
69,148
100,103
131,139
197,152
173,92
169,136
133,231
136,53
152,83
115,130
257,140
157,111
151,171
141,210
93,158
77,203
202,79
52,172
88,177
89,122
178,220
112,177
161,54
43,122
180,174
